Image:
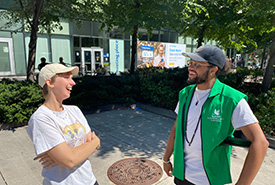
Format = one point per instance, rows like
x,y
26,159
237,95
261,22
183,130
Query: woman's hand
x,y
91,136
45,160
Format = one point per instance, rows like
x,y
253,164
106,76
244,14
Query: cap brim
x,y
74,70
194,57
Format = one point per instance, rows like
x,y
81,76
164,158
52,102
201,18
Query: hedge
x,y
158,87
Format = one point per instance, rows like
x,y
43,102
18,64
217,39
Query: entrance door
x,y
91,60
7,66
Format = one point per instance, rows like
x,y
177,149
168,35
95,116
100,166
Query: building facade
x,y
86,46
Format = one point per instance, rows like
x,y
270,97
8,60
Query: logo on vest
x,y
216,116
217,112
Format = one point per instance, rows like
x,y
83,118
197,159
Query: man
x,y
159,60
208,113
61,61
42,64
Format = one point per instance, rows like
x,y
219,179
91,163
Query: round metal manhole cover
x,y
134,171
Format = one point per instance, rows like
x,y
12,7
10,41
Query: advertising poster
x,y
157,54
116,56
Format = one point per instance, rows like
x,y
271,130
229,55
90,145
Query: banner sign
x,y
156,54
116,56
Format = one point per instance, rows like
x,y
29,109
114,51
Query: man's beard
x,y
198,80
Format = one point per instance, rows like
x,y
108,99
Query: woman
x,y
60,133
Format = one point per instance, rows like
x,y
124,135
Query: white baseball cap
x,y
49,70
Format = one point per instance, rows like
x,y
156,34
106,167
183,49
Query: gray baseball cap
x,y
208,53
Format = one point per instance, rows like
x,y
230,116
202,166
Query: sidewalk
x,y
123,134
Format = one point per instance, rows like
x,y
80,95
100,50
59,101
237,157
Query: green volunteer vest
x,y
215,127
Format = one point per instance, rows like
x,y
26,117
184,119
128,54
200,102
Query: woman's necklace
x,y
60,115
197,97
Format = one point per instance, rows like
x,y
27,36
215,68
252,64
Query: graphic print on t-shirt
x,y
74,134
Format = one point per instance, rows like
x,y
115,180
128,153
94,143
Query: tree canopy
x,y
44,16
233,23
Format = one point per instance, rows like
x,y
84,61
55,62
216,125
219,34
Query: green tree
x,y
44,16
243,24
131,15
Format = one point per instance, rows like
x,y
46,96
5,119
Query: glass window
x,y
127,36
105,45
61,48
127,54
181,40
142,34
19,53
189,40
14,26
5,34
4,57
6,4
76,41
189,49
116,34
42,49
206,41
86,42
173,37
83,29
97,29
164,36
65,28
154,36
91,42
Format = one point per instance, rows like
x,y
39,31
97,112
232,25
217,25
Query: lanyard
x,y
195,131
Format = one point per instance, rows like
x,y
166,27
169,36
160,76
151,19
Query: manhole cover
x,y
135,171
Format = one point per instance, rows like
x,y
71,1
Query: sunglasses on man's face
x,y
190,63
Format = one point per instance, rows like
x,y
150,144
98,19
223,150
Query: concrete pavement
x,y
123,133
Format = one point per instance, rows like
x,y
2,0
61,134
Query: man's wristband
x,y
166,161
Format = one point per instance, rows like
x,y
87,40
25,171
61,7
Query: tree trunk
x,y
200,39
134,49
269,68
33,39
32,52
134,44
263,57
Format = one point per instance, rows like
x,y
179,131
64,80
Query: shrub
x,y
265,111
18,100
94,91
161,87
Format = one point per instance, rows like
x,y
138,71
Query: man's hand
x,y
161,64
168,168
45,160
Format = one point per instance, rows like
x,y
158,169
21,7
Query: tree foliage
x,y
233,23
243,24
44,16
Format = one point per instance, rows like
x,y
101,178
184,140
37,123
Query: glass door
x,y
98,59
91,60
87,64
7,66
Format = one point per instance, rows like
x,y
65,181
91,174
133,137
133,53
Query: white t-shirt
x,y
242,116
48,129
